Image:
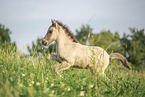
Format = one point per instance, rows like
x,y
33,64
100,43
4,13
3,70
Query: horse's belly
x,y
82,62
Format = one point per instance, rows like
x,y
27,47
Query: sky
x,y
30,19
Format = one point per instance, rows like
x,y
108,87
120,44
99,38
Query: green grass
x,y
28,76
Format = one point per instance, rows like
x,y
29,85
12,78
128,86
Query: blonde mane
x,y
68,32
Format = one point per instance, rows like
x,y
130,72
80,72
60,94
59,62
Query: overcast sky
x,y
30,19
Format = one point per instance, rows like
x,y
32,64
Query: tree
x,y
107,40
133,46
82,34
5,40
4,34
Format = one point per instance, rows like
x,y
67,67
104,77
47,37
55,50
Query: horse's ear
x,y
55,23
52,21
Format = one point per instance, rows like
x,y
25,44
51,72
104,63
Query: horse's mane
x,y
68,32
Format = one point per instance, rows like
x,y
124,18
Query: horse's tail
x,y
121,58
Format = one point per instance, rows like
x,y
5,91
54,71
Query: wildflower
x,y
82,87
68,89
14,72
52,91
91,86
37,83
3,71
32,82
82,93
48,57
45,81
52,85
62,93
21,84
23,74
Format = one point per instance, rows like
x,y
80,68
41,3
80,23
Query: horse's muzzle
x,y
44,42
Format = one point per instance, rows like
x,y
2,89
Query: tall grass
x,y
28,76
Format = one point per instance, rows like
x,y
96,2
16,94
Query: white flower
x,y
62,93
82,93
52,85
32,82
37,83
52,91
21,85
68,89
23,74
91,86
45,81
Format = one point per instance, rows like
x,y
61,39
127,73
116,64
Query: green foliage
x,y
134,46
7,47
29,76
107,40
4,34
39,48
5,40
82,34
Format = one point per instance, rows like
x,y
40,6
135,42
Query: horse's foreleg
x,y
63,66
92,70
56,59
104,75
53,68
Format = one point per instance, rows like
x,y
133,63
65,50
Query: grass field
x,y
28,76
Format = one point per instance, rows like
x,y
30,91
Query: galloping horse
x,y
69,52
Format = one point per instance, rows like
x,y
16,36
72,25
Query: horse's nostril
x,y
43,42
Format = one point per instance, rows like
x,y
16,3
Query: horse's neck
x,y
62,40
61,43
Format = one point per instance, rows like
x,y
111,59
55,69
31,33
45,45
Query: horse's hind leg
x,y
103,69
99,71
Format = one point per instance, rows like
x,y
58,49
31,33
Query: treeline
x,y
131,45
5,40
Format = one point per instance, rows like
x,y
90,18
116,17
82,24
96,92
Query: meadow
x,y
30,76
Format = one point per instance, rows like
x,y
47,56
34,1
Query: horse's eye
x,y
50,31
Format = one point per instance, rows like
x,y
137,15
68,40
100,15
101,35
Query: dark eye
x,y
50,31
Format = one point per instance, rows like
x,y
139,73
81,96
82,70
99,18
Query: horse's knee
x,y
92,71
64,65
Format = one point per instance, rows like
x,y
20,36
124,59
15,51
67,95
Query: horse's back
x,y
85,55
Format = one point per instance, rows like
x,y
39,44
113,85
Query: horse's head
x,y
51,33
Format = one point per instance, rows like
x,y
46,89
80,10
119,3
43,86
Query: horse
x,y
70,53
